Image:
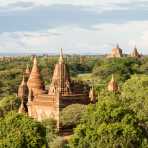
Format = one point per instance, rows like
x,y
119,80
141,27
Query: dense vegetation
x,y
116,120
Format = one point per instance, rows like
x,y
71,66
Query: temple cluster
x,y
117,52
41,104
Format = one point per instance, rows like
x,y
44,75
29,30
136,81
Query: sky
x,y
77,26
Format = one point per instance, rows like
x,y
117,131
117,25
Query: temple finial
x,y
35,60
27,71
61,59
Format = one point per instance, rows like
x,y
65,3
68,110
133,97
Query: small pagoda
x,y
116,52
112,85
23,95
135,53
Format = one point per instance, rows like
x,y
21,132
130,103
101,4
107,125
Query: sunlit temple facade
x,y
41,104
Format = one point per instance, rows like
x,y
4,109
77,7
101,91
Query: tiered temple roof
x,y
34,82
112,85
62,92
61,79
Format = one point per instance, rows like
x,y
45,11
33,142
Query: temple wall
x,y
74,99
43,112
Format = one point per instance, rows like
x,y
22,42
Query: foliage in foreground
x,y
8,103
116,120
108,124
17,131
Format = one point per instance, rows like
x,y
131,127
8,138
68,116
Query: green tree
x,y
110,124
135,94
8,103
71,115
122,67
20,131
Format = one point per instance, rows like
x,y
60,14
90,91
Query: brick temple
x,y
135,53
41,104
116,52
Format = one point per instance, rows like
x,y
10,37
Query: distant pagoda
x,y
135,53
116,52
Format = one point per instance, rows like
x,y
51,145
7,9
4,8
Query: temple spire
x,y
112,85
23,90
35,61
27,71
92,94
34,82
61,58
61,78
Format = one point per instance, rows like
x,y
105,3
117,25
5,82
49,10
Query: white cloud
x,y
73,2
74,39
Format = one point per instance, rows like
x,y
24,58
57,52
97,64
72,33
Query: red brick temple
x,y
41,104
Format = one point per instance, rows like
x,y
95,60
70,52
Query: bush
x,y
71,115
18,130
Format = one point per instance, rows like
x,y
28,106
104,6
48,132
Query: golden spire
x,y
61,58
